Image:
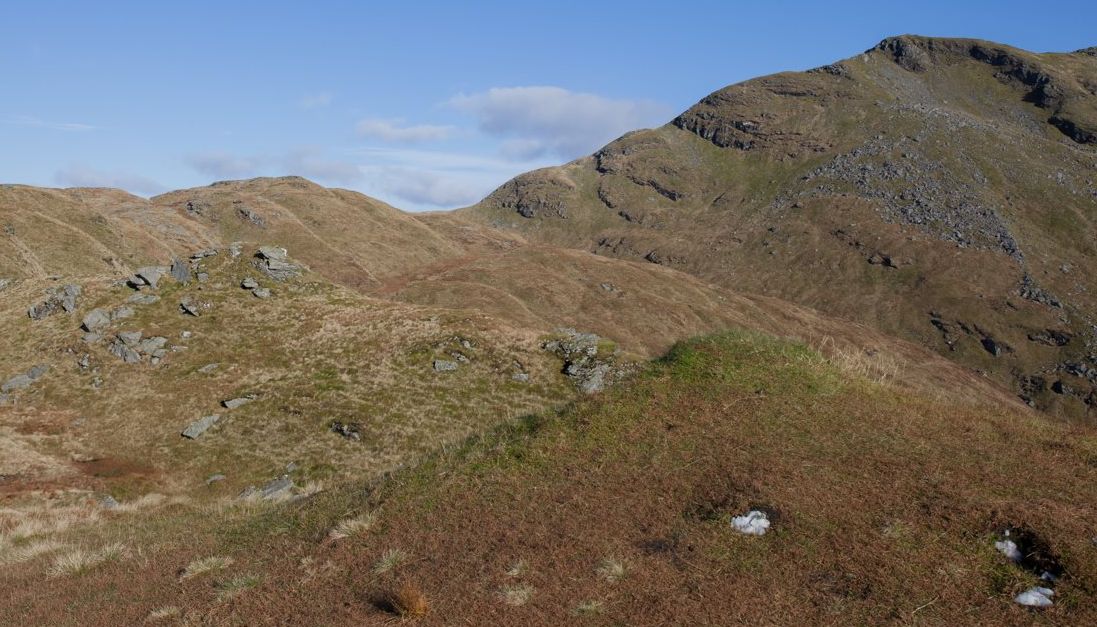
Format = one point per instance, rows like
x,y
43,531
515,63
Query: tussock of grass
x,y
611,569
391,559
409,601
590,607
517,568
27,552
205,565
353,526
232,587
83,560
516,595
163,613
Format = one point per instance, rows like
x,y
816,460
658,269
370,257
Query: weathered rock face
x,y
22,381
57,299
274,263
200,426
180,271
95,320
585,357
131,348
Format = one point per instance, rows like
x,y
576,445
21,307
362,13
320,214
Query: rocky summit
x,y
822,348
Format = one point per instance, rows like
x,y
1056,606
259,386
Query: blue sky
x,y
425,105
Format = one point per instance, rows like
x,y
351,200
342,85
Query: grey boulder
x,y
200,426
94,320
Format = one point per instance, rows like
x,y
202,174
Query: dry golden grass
x,y
205,565
82,560
390,559
354,526
408,601
516,595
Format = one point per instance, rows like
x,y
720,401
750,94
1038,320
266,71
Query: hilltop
x,y
941,190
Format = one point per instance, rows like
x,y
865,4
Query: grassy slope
x,y
885,505
754,221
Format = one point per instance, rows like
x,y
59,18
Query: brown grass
x,y
408,601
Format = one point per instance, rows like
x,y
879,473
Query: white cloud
x,y
316,101
310,163
394,131
542,121
220,165
426,179
426,187
84,176
307,162
27,120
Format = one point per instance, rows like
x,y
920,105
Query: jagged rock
x,y
212,479
444,365
233,403
22,381
149,275
120,313
249,283
180,271
130,338
261,292
583,363
1030,291
272,261
152,345
202,254
57,299
94,320
349,430
143,299
123,352
190,307
247,214
200,426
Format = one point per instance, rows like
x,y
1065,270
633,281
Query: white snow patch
x,y
1009,549
753,523
1035,597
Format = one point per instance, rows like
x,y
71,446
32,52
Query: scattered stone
x,y
608,287
4,283
233,403
130,338
180,271
85,362
200,426
249,283
444,365
186,335
273,262
120,313
277,488
152,345
149,275
212,479
143,299
22,381
91,338
1029,290
202,254
248,215
57,299
261,292
1035,596
208,368
583,362
234,249
190,307
753,523
520,377
94,320
203,277
108,502
349,430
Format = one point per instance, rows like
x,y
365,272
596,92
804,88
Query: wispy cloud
x,y
308,162
27,120
316,101
553,121
396,132
85,176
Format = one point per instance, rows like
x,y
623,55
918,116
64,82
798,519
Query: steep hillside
x,y
883,506
941,190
